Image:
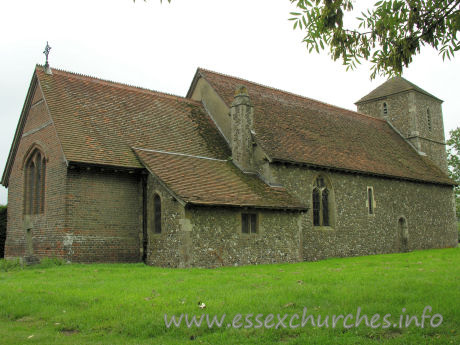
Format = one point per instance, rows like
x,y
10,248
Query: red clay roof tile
x,y
393,86
98,121
203,181
293,128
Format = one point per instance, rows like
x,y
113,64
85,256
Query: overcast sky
x,y
160,46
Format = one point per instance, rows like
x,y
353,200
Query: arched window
x,y
157,213
428,119
321,203
34,191
385,109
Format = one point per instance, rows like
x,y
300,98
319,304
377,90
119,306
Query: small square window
x,y
249,223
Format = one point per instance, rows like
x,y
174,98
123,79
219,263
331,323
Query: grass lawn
x,y
126,303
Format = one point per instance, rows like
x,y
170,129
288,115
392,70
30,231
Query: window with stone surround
x,y
321,200
34,183
157,213
385,108
249,223
370,200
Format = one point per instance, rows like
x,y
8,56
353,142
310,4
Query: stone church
x,y
234,173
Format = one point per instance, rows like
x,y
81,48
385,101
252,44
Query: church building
x,y
235,173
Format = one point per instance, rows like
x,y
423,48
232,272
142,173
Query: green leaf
x,y
304,21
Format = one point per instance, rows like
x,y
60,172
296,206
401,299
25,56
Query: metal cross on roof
x,y
47,51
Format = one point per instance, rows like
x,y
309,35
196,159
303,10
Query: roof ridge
x,y
291,94
118,84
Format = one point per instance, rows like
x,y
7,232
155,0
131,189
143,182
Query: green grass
x,y
54,303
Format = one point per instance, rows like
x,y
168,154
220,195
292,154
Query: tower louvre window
x,y
428,119
385,109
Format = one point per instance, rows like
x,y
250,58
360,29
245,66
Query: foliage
x,y
453,161
126,303
3,219
17,264
388,35
10,265
3,212
49,262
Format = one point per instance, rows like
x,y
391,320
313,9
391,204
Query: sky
x,y
160,46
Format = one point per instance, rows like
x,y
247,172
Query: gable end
x,y
30,101
19,130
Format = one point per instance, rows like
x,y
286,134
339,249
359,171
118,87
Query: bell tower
x,y
412,111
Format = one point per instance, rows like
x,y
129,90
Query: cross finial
x,y
47,52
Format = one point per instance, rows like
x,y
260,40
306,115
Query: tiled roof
x,y
293,128
99,121
393,86
203,181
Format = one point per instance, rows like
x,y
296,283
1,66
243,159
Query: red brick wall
x,y
104,219
89,216
47,227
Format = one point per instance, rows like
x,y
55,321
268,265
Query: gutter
x,y
360,172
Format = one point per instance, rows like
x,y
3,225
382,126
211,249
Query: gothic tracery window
x,y
321,203
34,191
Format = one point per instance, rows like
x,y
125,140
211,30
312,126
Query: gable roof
x,y
292,128
205,181
100,122
393,86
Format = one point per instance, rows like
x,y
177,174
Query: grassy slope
x,y
125,304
